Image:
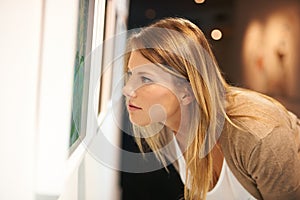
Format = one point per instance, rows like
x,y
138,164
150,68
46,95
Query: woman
x,y
236,143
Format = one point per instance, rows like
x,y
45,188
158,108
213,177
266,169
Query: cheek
x,y
157,96
158,104
162,104
157,113
172,106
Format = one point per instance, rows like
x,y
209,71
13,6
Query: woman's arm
x,y
275,164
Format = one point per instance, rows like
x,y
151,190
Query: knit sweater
x,y
264,153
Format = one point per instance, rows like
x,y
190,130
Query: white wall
x,y
19,69
36,70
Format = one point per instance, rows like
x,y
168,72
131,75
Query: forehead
x,y
136,59
138,63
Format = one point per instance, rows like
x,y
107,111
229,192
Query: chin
x,y
139,122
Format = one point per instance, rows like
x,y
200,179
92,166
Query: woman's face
x,y
151,94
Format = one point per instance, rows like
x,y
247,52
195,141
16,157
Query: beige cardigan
x,y
265,155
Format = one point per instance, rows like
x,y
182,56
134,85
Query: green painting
x,y
79,69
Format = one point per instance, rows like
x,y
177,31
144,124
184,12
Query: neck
x,y
180,127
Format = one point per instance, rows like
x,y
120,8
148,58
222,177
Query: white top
x,y
227,187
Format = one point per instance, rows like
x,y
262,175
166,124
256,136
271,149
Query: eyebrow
x,y
145,73
140,72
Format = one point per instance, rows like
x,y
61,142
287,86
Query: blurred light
x,y
216,34
150,13
199,1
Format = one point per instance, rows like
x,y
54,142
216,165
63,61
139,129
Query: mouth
x,y
132,107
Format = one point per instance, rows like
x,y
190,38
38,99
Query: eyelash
x,y
146,80
129,74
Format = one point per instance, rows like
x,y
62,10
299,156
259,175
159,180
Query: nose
x,y
129,91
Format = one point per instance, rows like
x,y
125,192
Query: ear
x,y
187,96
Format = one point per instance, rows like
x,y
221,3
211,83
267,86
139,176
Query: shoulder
x,y
256,113
259,123
259,154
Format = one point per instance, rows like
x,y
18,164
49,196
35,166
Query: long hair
x,y
180,47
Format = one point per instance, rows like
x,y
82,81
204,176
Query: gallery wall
x,y
267,48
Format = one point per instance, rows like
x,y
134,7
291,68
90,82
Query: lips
x,y
133,107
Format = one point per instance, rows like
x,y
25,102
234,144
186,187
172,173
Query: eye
x,y
146,80
128,74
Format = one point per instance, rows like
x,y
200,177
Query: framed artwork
x,y
81,72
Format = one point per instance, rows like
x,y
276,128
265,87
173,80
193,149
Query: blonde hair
x,y
180,47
